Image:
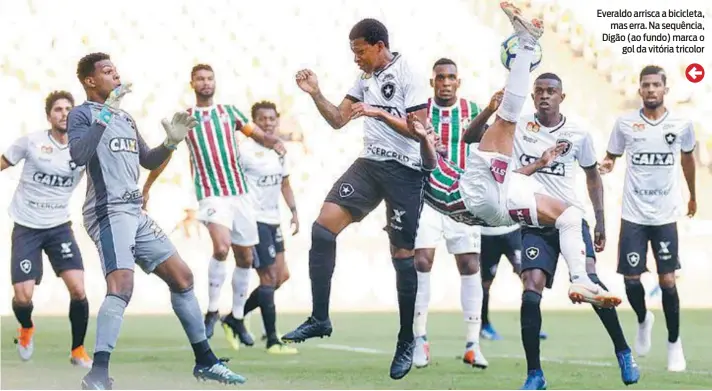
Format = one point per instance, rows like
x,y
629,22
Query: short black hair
x,y
444,61
550,76
200,67
87,64
653,70
371,31
265,104
54,96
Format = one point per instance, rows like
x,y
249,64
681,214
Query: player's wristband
x,y
105,116
169,145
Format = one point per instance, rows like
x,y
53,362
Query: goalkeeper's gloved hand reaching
x,y
177,128
113,103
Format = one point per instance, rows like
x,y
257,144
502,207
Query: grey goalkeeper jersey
x,y
112,155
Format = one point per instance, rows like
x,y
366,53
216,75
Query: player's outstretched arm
x,y
687,160
546,158
336,117
478,126
396,123
426,136
84,136
265,139
594,183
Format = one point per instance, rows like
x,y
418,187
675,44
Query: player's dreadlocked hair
x,y
200,67
653,70
54,96
85,67
444,61
265,104
371,31
550,76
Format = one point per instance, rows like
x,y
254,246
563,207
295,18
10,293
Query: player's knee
x,y
570,217
632,283
220,251
594,278
401,253
468,264
321,234
667,280
531,297
243,256
77,293
534,280
268,276
283,277
22,299
486,284
423,262
120,283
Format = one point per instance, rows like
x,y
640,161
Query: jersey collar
x,y
454,106
55,142
396,56
651,122
553,128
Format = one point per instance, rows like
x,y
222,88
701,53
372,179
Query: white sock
x,y
422,299
240,284
517,87
217,271
471,296
571,242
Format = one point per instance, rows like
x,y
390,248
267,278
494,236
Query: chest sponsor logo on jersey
x,y
388,90
653,159
387,153
46,149
123,144
269,180
566,146
670,138
651,192
53,180
530,139
638,127
554,168
533,127
390,109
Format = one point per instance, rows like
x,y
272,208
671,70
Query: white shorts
x,y
434,226
237,213
495,193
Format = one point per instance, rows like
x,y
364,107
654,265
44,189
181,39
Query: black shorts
x,y
28,243
271,243
368,182
633,248
494,246
541,249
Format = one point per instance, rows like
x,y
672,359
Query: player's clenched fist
x,y
178,128
306,80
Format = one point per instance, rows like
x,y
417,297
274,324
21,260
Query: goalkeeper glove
x,y
177,128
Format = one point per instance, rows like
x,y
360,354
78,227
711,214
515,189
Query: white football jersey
x,y
48,178
264,171
559,178
398,90
651,192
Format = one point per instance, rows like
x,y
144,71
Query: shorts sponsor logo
x,y
653,159
346,190
396,219
26,266
388,90
66,250
664,251
272,251
522,216
493,269
53,180
278,235
132,195
211,211
633,259
670,138
498,168
387,153
123,144
532,253
157,231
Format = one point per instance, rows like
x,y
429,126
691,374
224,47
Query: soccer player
x,y
220,189
389,169
40,210
105,139
653,138
267,176
534,135
449,116
482,193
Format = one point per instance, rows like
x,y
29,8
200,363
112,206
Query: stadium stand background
x,y
256,48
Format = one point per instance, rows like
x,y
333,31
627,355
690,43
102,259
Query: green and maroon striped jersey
x,y
214,157
450,124
442,192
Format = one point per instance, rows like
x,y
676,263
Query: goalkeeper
x,y
104,138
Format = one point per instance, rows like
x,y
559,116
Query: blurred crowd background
x,y
257,47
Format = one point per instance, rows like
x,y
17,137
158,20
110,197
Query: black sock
x,y
530,319
609,318
636,296
485,307
252,302
671,308
269,313
322,259
203,354
23,313
78,318
101,363
407,285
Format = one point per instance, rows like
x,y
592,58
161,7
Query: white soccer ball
x,y
508,52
